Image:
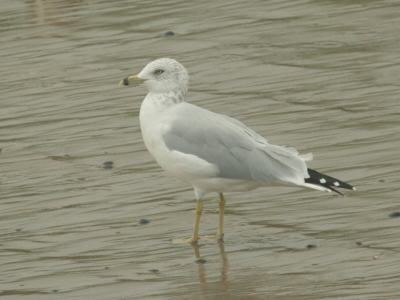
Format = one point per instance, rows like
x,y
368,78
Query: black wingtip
x,y
335,190
327,181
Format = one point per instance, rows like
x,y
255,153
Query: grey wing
x,y
237,151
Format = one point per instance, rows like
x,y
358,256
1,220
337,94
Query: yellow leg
x,y
220,232
195,236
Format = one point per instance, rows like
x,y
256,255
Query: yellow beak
x,y
131,80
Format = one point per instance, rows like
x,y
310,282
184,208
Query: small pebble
x,y
66,155
169,33
155,271
18,229
311,246
81,178
200,261
55,291
375,257
395,214
118,232
144,221
106,268
108,165
359,243
381,180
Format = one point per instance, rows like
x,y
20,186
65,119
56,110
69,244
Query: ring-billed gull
x,y
213,152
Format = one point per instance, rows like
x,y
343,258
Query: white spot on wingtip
x,y
336,183
354,189
322,180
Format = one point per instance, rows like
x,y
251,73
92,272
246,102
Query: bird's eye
x,y
159,71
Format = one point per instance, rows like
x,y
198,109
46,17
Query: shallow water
x,y
319,76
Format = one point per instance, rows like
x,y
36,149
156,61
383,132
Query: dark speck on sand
x,y
200,261
144,221
395,214
108,165
169,33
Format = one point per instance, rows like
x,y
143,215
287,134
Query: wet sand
x,y
76,179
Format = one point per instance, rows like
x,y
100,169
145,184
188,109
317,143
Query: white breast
x,y
155,118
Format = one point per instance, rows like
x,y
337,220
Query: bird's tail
x,y
325,183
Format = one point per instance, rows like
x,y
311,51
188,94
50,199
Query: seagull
x,y
210,151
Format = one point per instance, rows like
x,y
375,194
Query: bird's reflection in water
x,y
202,263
